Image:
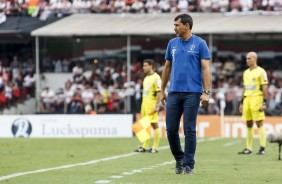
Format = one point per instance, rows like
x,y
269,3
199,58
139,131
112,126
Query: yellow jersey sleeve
x,y
263,77
158,82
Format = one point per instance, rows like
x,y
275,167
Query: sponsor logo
x,y
21,128
173,54
192,49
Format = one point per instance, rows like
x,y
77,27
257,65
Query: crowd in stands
x,y
16,80
59,8
106,89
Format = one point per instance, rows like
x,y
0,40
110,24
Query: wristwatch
x,y
206,92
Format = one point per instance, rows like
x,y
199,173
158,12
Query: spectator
x,y
3,5
151,6
68,94
28,84
205,5
246,5
173,6
87,95
77,71
9,92
229,67
268,5
101,7
163,6
277,5
46,100
76,104
3,98
58,66
215,5
119,6
59,101
137,7
18,79
223,5
193,5
138,94
76,86
183,6
235,5
16,93
15,65
256,4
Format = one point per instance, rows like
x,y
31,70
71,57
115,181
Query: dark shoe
x,y
188,170
152,150
261,151
140,150
178,167
245,152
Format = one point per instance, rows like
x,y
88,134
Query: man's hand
x,y
163,98
157,108
262,108
241,108
204,99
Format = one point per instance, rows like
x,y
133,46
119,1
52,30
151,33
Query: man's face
x,y
146,68
179,28
250,60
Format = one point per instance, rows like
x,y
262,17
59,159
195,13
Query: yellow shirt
x,y
253,81
151,85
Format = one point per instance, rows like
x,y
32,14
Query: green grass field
x,y
217,161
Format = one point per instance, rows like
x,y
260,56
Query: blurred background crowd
x,y
59,8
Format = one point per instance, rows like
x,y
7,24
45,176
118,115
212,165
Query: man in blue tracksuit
x,y
188,67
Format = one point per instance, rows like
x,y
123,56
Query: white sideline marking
x,y
103,181
127,173
81,163
137,171
116,176
66,166
154,166
147,168
231,143
157,165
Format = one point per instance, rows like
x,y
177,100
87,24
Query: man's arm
x,y
206,74
206,80
165,77
264,92
157,106
241,103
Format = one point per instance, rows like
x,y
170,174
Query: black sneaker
x,y
152,150
188,170
178,167
245,152
140,150
261,151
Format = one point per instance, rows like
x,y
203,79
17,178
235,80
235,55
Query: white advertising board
x,y
66,126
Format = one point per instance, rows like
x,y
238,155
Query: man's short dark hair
x,y
150,62
185,19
